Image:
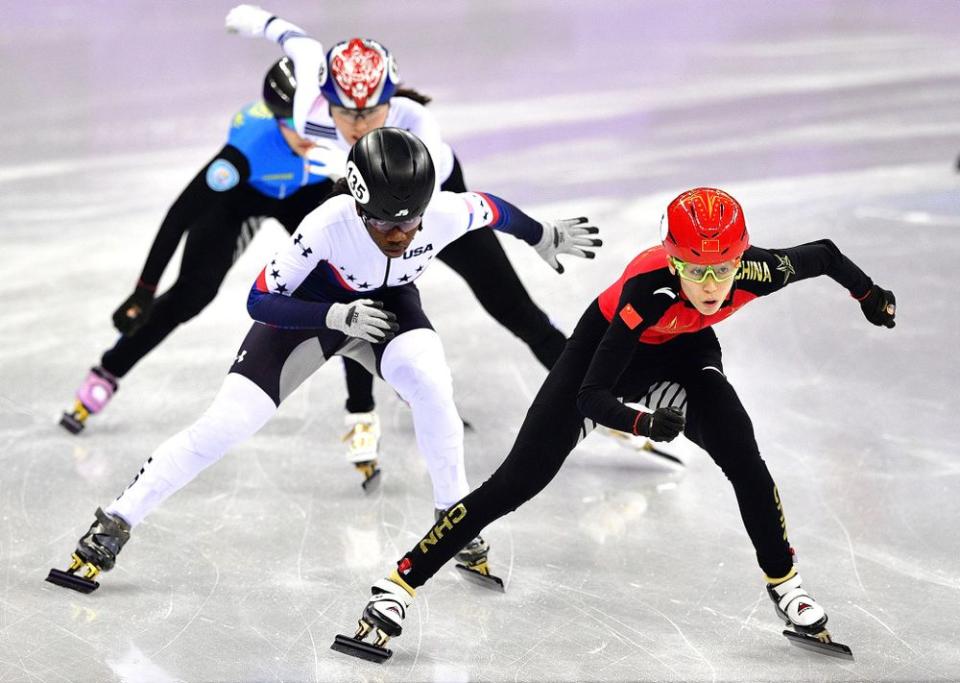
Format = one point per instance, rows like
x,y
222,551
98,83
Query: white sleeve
x,y
456,213
299,255
424,125
309,66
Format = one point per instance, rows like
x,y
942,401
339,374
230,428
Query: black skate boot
x,y
384,615
805,616
472,561
96,551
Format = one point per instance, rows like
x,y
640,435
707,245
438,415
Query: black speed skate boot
x,y
384,614
805,616
472,560
96,551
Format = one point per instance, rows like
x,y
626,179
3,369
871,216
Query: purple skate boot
x,y
92,397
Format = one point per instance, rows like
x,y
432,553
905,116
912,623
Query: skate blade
x,y
480,579
358,648
71,423
72,581
648,447
814,644
372,483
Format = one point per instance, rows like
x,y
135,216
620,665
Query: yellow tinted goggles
x,y
695,272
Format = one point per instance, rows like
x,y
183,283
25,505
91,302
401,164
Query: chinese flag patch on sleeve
x,y
630,316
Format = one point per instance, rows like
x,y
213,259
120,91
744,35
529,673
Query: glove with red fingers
x,y
663,424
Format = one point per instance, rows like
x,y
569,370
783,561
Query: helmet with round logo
x,y
361,74
390,174
705,226
279,86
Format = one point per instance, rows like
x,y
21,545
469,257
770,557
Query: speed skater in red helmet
x,y
653,325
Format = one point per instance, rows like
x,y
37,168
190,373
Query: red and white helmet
x,y
360,73
704,226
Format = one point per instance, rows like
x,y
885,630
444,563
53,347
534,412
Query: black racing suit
x,y
640,331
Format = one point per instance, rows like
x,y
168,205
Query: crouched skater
x,y
342,285
654,324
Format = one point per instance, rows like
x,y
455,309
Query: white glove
x,y
325,159
248,20
364,319
566,236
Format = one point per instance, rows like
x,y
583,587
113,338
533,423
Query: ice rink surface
x,y
825,119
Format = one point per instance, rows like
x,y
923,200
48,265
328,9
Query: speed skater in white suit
x,y
342,285
334,98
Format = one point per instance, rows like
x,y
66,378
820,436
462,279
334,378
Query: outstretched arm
x,y
309,60
549,238
767,270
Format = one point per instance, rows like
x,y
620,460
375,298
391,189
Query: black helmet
x,y
390,174
279,85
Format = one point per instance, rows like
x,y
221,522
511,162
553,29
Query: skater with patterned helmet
x,y
653,324
359,90
342,285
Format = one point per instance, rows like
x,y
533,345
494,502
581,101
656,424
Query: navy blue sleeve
x,y
285,312
508,218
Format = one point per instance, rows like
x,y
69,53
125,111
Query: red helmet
x,y
704,226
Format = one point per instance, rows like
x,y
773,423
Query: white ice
x,y
826,119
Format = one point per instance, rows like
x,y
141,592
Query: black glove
x,y
134,312
661,425
879,306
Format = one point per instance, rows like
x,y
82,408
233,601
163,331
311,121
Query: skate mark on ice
x,y
308,515
753,610
625,639
196,613
802,463
713,671
423,614
524,659
889,630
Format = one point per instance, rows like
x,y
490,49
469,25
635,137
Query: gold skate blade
x,y
484,580
814,644
69,580
358,648
649,447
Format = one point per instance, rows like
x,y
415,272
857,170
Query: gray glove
x,y
364,319
566,236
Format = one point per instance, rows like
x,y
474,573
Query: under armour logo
x,y
240,357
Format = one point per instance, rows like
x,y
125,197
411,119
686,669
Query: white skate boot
x,y
384,614
805,616
363,449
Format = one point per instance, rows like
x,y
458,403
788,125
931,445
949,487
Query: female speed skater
x,y
653,324
357,92
342,285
